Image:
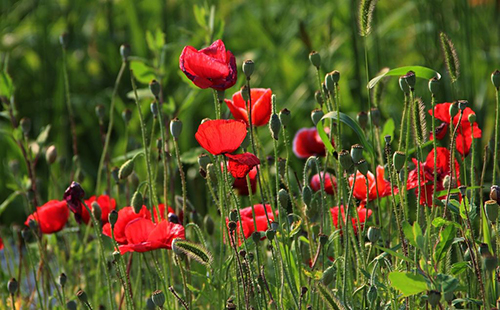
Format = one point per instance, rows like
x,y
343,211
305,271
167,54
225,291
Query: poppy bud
x,y
232,225
471,118
71,305
433,297
27,235
242,253
154,109
375,116
410,79
62,279
373,234
335,76
328,275
403,85
495,193
137,201
495,78
362,167
126,169
233,215
362,119
96,210
434,85
248,67
82,296
51,154
453,109
315,59
125,51
274,225
245,93
303,291
491,208
155,88
329,83
209,224
357,152
371,295
275,126
282,166
175,128
100,113
490,262
33,225
316,116
12,286
387,139
63,40
307,195
323,239
345,160
256,237
25,125
285,117
318,96
112,218
283,198
270,234
203,161
158,298
398,160
221,95
116,256
462,104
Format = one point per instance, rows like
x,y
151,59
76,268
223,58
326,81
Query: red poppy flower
x,y
221,136
51,217
240,164
1,244
261,106
363,214
329,181
105,202
241,183
307,143
247,221
376,185
463,139
73,196
213,67
125,216
143,235
427,174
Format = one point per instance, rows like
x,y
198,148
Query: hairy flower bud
x,y
373,234
248,67
137,201
315,59
96,210
62,279
126,169
434,85
12,286
283,198
398,160
155,88
176,128
203,161
453,109
362,167
362,119
491,208
112,218
495,79
357,152
307,195
318,97
285,117
275,126
316,116
375,117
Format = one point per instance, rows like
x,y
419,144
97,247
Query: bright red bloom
x,y
330,182
463,139
363,214
427,174
143,235
261,106
105,202
221,136
307,142
247,221
241,183
1,244
51,217
378,185
213,66
125,216
241,164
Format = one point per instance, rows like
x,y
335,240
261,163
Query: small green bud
x,y
410,79
212,173
375,116
403,85
154,109
274,225
270,234
328,275
203,161
323,239
116,256
125,51
329,83
282,166
283,198
51,154
472,118
318,97
491,208
307,195
137,201
248,67
315,59
398,160
446,181
233,215
433,297
176,128
335,76
316,116
27,235
158,298
462,104
362,119
373,234
12,286
371,295
345,160
155,88
127,116
357,152
100,112
434,85
71,305
453,109
495,78
256,237
126,169
96,210
209,224
285,117
387,139
25,125
232,225
362,167
62,279
112,218
275,126
82,296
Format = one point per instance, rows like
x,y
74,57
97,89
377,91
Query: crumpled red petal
x,y
241,164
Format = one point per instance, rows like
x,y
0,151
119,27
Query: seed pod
x,y
398,160
329,83
328,275
375,117
323,239
176,128
126,169
12,286
362,166
96,210
495,193
335,76
318,96
270,234
495,79
204,160
387,139
125,51
51,154
446,181
158,298
410,78
256,237
345,160
248,67
316,116
275,126
315,59
362,119
357,152
433,297
285,117
462,189
462,104
137,201
491,208
112,218
307,195
154,109
233,215
283,198
62,279
82,296
453,109
155,88
373,234
209,224
71,305
232,225
434,85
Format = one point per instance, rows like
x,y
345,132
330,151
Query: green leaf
x,y
408,283
8,201
142,72
445,240
408,231
440,222
458,268
419,238
388,129
447,283
420,72
6,87
463,210
395,254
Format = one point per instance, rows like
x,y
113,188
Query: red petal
x,y
138,230
164,233
221,136
329,182
307,143
241,183
239,113
261,106
51,217
241,164
442,112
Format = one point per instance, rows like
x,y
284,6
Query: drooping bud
x,y
248,67
245,93
453,109
373,234
176,128
155,88
315,59
434,85
345,160
357,152
283,198
62,279
209,224
463,190
275,126
495,78
335,76
362,167
433,297
25,125
96,210
362,119
82,296
307,195
318,97
285,117
375,117
158,298
137,201
491,208
125,51
316,116
112,218
126,169
398,160
12,286
51,154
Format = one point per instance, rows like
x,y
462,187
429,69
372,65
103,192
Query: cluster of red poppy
x,y
252,224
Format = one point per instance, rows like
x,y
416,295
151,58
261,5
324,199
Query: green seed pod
x,y
328,275
176,128
25,125
137,201
345,160
158,298
318,97
323,239
410,79
275,126
283,198
433,297
453,109
362,166
375,116
329,83
491,208
446,181
96,210
335,76
472,118
274,225
71,305
82,296
209,224
495,79
362,119
403,85
27,235
357,152
307,195
248,67
154,109
100,112
282,166
125,51
387,139
285,117
270,234
462,104
155,88
373,234
462,189
244,93
490,262
112,218
232,226
315,59
371,295
51,154
62,279
203,161
398,160
434,85
233,215
12,286
256,237
126,169
316,116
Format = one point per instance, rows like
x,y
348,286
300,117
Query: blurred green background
x,y
277,35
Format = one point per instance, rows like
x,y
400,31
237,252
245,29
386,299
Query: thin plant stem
x,y
183,181
497,128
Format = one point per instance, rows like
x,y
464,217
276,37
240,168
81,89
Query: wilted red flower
x,y
248,223
329,181
261,106
221,136
241,183
73,197
240,164
363,214
105,202
427,174
463,139
380,185
143,235
51,217
307,142
213,66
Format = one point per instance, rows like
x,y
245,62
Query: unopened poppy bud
x,y
209,224
154,109
462,104
319,97
137,202
176,128
51,154
25,125
495,78
283,198
362,119
335,76
221,95
403,85
307,195
329,83
112,218
345,160
203,161
158,298
82,296
434,85
248,67
275,126
315,59
285,117
410,79
245,93
71,305
100,113
491,208
96,210
373,234
256,237
328,276
27,235
375,117
114,174
323,239
12,286
62,279
495,193
116,256
233,215
155,88
127,116
453,109
125,51
471,118
232,225
398,160
282,166
126,169
362,167
316,116
490,262
387,139
270,234
357,152
433,297
371,295
274,225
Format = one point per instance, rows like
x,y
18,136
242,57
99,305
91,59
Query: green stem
x,y
183,181
497,128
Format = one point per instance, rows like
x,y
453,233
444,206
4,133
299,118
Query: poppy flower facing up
x,y
51,217
307,142
330,182
241,183
376,185
221,136
213,66
261,106
363,214
142,235
248,222
105,202
463,139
